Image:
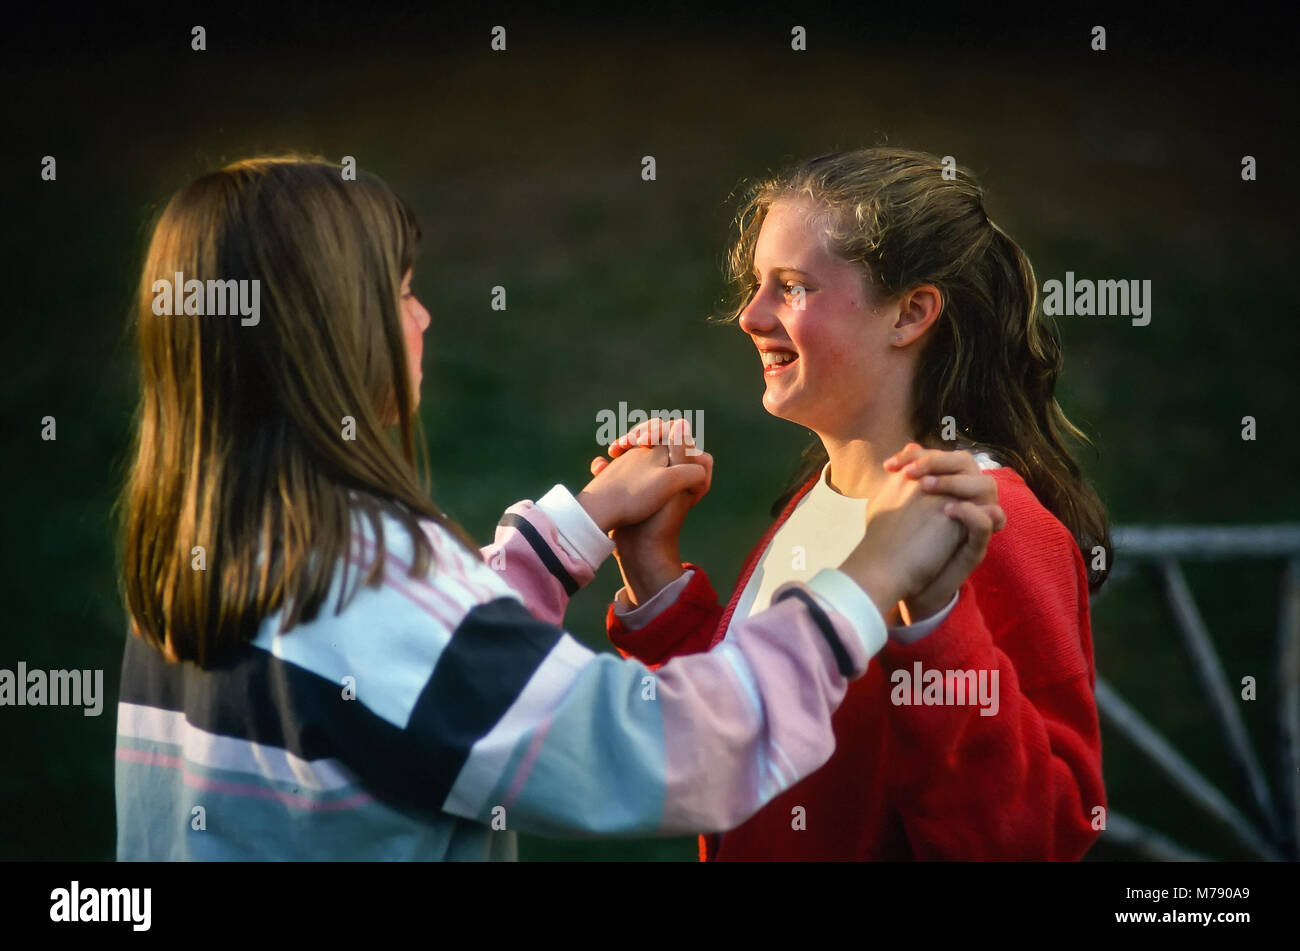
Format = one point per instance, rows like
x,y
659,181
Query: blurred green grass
x,y
525,172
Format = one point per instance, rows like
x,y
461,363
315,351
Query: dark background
x,y
524,169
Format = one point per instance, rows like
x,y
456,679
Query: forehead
x,y
794,235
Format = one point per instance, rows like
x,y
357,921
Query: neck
x,y
857,459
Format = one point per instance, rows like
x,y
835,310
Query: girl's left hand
x,y
942,472
955,474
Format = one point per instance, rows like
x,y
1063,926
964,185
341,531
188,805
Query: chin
x,y
791,411
781,409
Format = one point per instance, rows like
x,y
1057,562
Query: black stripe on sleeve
x,y
511,520
493,653
255,696
824,625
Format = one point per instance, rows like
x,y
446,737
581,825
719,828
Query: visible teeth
x,y
774,358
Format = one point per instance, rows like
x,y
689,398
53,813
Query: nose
x,y
423,314
758,317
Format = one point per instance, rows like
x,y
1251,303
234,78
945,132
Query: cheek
x,y
830,340
414,339
840,350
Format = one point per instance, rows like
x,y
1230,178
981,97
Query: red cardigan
x,y
940,782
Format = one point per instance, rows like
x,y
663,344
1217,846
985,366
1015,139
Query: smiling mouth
x,y
776,362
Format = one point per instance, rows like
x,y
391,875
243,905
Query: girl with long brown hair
x,y
898,322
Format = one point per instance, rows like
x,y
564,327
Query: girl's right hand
x,y
912,538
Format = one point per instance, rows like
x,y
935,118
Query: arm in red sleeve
x,y
1022,783
687,626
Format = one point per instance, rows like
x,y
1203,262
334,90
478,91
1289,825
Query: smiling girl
x,y
890,315
323,666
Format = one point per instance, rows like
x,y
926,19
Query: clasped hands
x,y
926,529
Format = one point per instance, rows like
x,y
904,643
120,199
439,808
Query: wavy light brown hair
x,y
239,442
991,359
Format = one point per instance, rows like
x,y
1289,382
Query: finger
x,y
679,428
679,442
635,438
687,477
676,443
629,440
658,430
903,456
940,462
632,437
692,453
705,460
970,551
973,516
652,434
598,465
998,516
980,489
689,438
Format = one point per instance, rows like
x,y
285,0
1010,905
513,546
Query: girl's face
x,y
415,321
824,348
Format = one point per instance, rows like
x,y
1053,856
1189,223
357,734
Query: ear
x,y
918,309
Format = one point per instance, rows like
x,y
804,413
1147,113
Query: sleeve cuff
x,y
835,590
580,536
637,617
911,633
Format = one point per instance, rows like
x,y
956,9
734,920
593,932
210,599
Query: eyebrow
x,y
786,268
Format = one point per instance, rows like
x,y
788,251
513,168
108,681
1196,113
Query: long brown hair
x,y
991,360
241,443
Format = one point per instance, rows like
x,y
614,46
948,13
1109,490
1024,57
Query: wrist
x,y
597,510
927,604
639,546
878,584
646,576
